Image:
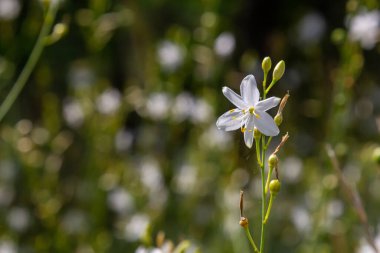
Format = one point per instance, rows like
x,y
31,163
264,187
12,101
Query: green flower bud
x,y
376,155
266,64
274,186
278,119
59,30
256,133
273,161
279,70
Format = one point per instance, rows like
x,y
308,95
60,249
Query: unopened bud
x,y
256,133
243,222
59,30
266,64
274,187
376,155
278,119
273,161
279,70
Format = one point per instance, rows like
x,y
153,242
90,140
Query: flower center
x,y
252,111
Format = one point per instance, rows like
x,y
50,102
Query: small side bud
x,y
59,30
376,155
243,222
256,133
273,161
274,187
279,70
266,64
278,119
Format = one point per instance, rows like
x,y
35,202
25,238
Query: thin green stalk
x,y
268,179
270,86
31,63
265,81
263,196
269,140
251,240
257,141
269,208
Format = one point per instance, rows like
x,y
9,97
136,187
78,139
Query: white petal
x,y
265,124
248,134
231,120
234,98
265,105
249,91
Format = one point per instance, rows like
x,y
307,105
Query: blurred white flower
x,y
183,106
109,101
224,44
250,112
365,28
365,247
170,55
311,29
73,113
158,105
18,219
123,140
142,249
9,9
215,139
201,111
7,246
185,179
120,200
152,178
136,227
301,219
291,169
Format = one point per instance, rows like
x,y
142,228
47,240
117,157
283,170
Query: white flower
x,y
365,28
250,112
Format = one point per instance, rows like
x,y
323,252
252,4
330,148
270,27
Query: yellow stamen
x,y
243,129
252,111
232,110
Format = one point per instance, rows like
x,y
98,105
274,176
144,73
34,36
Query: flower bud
x,y
279,70
278,119
266,64
274,186
273,161
256,133
59,30
376,155
243,222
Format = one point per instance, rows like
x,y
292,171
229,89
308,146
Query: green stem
x,y
257,141
268,179
31,63
269,140
270,86
263,196
265,81
248,233
269,208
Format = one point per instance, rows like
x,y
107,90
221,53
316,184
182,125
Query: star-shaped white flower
x,y
250,111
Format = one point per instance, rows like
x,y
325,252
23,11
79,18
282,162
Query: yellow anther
x,y
252,111
232,110
243,129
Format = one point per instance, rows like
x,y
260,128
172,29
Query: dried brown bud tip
x,y
243,222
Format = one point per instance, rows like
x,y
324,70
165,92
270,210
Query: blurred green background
x,y
112,143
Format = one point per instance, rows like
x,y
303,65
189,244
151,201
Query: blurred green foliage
x,y
113,140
